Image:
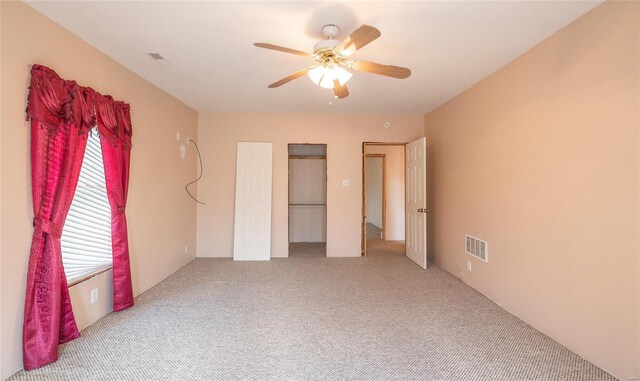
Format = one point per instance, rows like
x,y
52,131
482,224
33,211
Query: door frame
x,y
363,230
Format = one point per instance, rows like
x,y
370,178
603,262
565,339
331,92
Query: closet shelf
x,y
299,157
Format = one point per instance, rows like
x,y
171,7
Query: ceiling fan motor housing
x,y
329,32
325,44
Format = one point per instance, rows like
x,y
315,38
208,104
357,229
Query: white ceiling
x,y
448,45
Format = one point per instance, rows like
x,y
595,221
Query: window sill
x,y
89,276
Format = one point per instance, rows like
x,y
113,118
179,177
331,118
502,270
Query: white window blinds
x,y
86,236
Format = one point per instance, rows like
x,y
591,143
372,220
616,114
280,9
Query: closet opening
x,y
307,200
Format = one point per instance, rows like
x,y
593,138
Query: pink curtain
x,y
62,113
114,125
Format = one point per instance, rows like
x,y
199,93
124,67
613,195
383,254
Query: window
x,y
86,236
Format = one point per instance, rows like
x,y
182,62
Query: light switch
x,y
345,182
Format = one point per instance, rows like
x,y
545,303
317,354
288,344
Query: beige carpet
x,y
371,318
378,247
308,249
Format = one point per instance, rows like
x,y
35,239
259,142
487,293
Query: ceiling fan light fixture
x,y
327,79
325,76
343,75
316,74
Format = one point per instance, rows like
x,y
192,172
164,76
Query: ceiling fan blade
x,y
340,91
289,78
281,49
357,40
376,68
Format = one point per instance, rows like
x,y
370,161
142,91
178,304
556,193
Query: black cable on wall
x,y
186,187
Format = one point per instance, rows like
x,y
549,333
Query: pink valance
x,y
54,101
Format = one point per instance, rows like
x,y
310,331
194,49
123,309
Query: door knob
x,y
420,210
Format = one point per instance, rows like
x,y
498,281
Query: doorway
x,y
307,200
383,199
375,196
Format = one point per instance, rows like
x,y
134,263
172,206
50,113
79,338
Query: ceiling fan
x,y
334,65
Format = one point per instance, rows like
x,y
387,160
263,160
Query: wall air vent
x,y
476,248
159,59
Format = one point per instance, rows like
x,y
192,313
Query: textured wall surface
x,y
541,160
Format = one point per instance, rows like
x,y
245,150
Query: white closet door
x,y
416,201
252,234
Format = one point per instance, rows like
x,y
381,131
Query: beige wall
x,y
85,312
343,134
541,159
394,188
157,180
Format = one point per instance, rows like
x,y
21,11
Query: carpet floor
x,y
371,318
308,249
378,247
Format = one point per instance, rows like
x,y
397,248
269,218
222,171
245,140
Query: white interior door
x,y
416,201
252,233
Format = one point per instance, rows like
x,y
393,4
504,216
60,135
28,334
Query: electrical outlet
x,y
178,136
469,265
345,182
182,150
94,295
